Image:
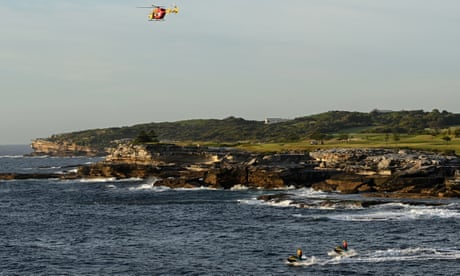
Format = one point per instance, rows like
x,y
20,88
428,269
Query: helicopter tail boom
x,y
174,9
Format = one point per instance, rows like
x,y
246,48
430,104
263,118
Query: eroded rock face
x,y
44,147
382,161
213,167
404,172
160,154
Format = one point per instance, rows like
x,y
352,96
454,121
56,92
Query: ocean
x,y
130,227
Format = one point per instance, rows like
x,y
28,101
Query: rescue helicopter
x,y
158,12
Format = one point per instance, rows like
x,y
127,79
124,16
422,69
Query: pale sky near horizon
x,y
69,65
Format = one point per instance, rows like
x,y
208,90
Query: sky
x,y
69,65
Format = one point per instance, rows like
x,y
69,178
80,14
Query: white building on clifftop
x,y
275,120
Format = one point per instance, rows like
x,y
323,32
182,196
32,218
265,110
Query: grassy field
x,y
419,142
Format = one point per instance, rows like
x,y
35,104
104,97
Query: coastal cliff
x,y
377,171
45,147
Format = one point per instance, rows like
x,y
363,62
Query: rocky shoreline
x,y
375,172
383,172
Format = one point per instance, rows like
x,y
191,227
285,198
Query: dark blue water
x,y
131,228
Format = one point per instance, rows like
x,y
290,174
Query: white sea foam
x,y
285,188
407,254
197,189
312,203
376,216
281,203
108,179
98,179
144,186
251,201
338,205
50,167
149,184
428,212
387,255
273,203
310,192
394,205
239,187
149,187
348,253
157,188
297,199
404,212
11,156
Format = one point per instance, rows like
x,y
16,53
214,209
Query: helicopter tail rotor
x,y
174,9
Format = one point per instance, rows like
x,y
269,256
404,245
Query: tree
x,y
446,139
146,137
457,132
344,137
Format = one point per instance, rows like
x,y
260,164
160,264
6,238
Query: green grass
x,y
418,142
357,140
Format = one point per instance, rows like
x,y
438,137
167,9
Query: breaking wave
x,y
402,213
108,180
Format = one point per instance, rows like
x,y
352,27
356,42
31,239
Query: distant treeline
x,y
232,130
